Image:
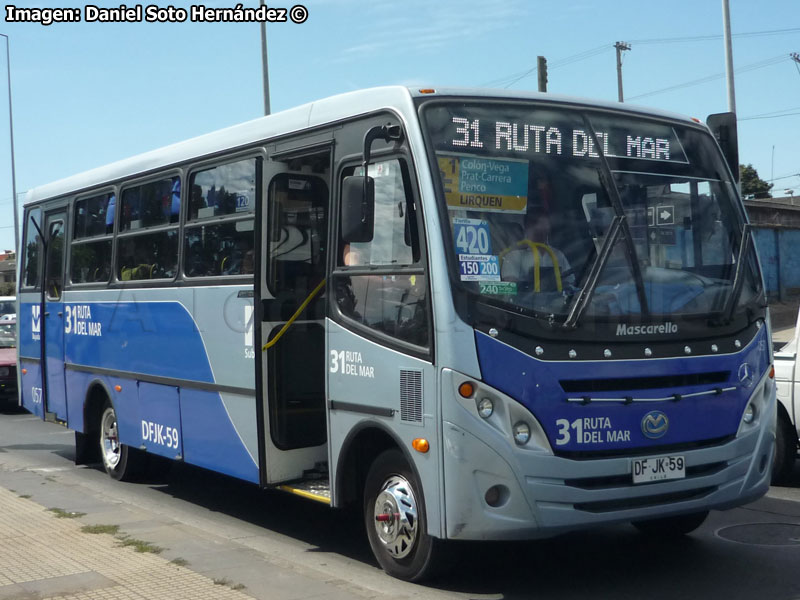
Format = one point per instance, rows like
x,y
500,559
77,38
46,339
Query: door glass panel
x,y
55,257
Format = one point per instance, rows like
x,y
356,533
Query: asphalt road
x,y
277,544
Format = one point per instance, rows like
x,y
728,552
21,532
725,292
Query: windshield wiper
x,y
620,226
593,278
738,278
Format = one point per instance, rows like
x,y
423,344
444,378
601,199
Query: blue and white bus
x,y
478,315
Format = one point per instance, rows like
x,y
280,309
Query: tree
x,y
752,184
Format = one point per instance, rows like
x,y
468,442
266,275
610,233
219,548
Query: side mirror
x,y
723,126
358,209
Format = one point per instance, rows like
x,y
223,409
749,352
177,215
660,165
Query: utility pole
x,y
620,46
265,64
726,22
13,170
541,72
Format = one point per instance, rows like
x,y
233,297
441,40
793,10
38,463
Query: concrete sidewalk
x,y
43,556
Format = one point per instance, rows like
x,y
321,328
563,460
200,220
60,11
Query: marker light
x,y
24,371
485,407
427,91
421,445
522,433
466,389
772,372
749,414
118,388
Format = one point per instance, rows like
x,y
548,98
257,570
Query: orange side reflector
x,y
466,389
772,372
696,120
118,388
421,445
427,91
24,371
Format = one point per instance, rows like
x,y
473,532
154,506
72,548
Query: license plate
x,y
658,468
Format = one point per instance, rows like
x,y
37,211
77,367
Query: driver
x,y
519,264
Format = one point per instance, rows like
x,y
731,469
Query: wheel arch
x,y
360,448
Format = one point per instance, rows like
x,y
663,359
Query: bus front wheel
x,y
394,515
120,461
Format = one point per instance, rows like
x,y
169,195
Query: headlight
x,y
749,413
485,407
522,433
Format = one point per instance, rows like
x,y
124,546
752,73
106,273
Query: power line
x,y
751,67
704,38
772,117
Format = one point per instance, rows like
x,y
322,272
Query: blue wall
x,y
779,251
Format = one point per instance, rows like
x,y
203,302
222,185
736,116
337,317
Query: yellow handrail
x,y
534,246
296,314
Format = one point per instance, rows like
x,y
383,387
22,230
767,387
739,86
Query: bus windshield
x,y
555,213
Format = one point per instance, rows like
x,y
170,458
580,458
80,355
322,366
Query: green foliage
x,y
97,529
752,184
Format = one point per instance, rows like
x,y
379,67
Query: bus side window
x,y
225,193
33,249
55,260
390,301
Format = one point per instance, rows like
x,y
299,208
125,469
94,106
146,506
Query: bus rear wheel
x,y
394,516
785,450
672,526
119,460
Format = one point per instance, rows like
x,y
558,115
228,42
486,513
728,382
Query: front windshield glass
x,y
8,335
532,212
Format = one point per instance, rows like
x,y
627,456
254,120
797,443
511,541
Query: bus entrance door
x,y
292,272
55,408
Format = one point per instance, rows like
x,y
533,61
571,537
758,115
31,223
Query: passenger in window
x,y
353,256
136,267
196,201
196,265
175,204
520,263
110,212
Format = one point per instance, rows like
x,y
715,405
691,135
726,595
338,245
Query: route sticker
x,y
472,236
484,184
479,267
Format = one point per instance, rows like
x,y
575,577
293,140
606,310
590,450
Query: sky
x,y
87,94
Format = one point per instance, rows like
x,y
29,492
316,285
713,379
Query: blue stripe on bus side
x,y
152,338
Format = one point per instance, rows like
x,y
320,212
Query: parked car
x,y
8,362
8,308
787,380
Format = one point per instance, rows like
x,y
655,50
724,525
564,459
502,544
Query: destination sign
x,y
658,144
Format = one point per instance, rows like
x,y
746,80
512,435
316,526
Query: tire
x,y
672,526
785,450
120,461
400,541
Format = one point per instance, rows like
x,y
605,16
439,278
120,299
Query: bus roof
x,y
306,116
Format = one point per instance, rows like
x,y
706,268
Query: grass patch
x,y
65,514
230,584
180,562
109,529
140,545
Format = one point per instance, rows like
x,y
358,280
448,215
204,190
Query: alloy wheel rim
x,y
396,517
111,447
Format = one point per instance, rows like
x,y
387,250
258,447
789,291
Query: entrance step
x,y
313,489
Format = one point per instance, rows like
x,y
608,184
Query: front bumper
x,y
545,495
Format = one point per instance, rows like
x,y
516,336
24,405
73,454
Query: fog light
x,y
485,407
522,433
749,414
492,496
